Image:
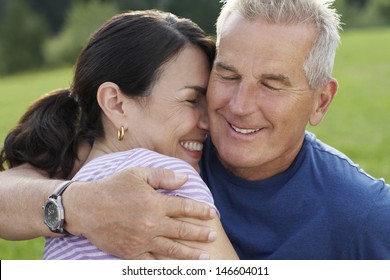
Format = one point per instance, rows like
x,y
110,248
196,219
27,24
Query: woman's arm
x,y
221,249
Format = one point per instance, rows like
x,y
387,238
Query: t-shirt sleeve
x,y
195,188
373,241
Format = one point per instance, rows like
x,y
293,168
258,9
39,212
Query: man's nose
x,y
244,100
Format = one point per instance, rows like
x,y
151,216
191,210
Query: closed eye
x,y
275,82
229,78
193,101
270,87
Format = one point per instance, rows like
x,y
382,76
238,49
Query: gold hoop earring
x,y
121,133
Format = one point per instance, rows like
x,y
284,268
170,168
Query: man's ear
x,y
109,98
323,100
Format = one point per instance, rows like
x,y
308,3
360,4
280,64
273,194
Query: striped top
x,y
75,247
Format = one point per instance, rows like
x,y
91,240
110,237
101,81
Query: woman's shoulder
x,y
157,160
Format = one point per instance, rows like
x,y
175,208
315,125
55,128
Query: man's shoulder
x,y
332,161
324,150
339,173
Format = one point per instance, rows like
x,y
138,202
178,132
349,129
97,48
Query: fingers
x,y
160,178
174,250
146,256
183,207
183,230
145,216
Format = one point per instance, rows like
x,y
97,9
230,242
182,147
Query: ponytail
x,y
46,136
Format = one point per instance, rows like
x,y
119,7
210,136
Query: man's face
x,y
259,100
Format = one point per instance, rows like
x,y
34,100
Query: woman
x,y
138,92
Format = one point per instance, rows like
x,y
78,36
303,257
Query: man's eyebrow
x,y
274,77
277,77
224,66
198,89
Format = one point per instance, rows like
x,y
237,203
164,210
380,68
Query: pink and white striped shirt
x,y
75,247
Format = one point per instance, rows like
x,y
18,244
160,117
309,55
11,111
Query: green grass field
x,y
358,120
357,123
16,93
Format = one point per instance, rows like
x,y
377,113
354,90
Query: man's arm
x,y
121,214
23,190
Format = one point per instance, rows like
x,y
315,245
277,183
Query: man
x,y
282,193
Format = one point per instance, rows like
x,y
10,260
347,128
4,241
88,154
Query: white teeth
x,y
192,146
243,130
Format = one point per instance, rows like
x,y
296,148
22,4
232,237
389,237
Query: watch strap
x,y
56,196
61,188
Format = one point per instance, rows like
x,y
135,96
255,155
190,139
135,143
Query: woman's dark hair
x,y
129,50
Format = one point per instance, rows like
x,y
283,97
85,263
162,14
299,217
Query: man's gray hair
x,y
318,65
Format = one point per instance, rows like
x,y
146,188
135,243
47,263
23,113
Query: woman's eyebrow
x,y
198,89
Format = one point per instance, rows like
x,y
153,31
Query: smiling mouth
x,y
244,130
192,146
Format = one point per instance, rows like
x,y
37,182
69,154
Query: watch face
x,y
52,217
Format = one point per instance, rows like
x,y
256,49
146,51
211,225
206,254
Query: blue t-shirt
x,y
322,207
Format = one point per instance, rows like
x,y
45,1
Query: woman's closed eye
x,y
193,100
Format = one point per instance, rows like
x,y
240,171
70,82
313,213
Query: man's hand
x,y
123,215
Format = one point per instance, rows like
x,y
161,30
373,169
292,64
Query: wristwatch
x,y
53,211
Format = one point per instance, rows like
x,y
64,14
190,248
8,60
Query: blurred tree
x,y
22,34
83,18
124,5
53,11
24,24
3,4
203,12
364,13
360,3
384,10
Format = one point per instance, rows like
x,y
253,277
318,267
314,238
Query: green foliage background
x,y
358,120
47,35
357,123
